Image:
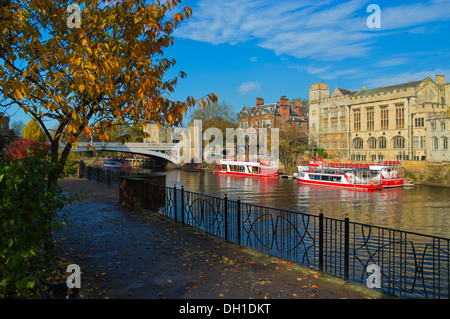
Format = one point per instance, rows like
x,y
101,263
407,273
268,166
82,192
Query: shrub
x,y
28,214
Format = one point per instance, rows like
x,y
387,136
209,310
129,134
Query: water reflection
x,y
422,209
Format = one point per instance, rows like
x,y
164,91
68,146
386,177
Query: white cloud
x,y
392,62
404,77
249,86
321,29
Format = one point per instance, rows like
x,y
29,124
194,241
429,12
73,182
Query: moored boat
x,y
116,164
356,178
242,168
389,174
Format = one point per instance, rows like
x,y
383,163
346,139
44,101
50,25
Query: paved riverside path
x,y
125,254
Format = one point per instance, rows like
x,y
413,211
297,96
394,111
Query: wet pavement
x,y
140,255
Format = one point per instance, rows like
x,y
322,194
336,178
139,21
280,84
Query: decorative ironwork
x,y
411,265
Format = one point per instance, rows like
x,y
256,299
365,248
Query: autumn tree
x,y
85,71
33,131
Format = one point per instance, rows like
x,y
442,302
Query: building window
x,y
334,112
444,143
433,126
442,125
416,142
268,123
381,142
334,126
358,143
325,113
435,143
422,142
400,117
357,121
342,125
372,143
419,122
399,142
342,111
370,121
343,145
384,118
325,126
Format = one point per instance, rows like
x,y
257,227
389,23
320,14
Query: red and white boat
x,y
389,174
242,168
320,173
116,164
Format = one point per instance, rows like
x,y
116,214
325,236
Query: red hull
x,y
331,184
247,174
392,182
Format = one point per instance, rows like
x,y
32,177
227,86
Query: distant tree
x,y
17,127
221,110
33,131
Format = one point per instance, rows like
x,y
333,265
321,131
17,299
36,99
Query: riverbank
x,y
125,254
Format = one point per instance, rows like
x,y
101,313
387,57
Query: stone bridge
x,y
167,151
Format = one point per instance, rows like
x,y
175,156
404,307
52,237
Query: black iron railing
x,y
410,265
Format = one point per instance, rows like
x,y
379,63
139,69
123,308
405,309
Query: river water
x,y
422,209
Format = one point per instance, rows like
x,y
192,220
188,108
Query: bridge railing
x,y
410,265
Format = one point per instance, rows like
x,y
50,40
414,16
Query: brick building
x,y
290,118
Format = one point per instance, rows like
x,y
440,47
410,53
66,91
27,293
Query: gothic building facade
x,y
408,121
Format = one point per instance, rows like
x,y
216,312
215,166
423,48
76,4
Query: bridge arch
x,y
167,151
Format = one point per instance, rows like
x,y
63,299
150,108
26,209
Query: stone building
x,y
157,134
4,126
386,123
290,118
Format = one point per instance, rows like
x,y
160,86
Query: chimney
x,y
284,101
298,107
259,101
440,79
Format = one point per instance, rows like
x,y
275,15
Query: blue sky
x,y
243,49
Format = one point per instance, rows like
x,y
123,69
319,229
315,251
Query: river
x,y
422,209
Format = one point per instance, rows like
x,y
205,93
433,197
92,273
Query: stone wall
x,y
432,173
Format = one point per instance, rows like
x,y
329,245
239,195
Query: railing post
x,y
226,216
175,202
321,240
146,197
239,220
182,205
346,247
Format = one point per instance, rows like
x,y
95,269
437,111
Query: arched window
x,y
445,143
358,143
435,143
399,142
381,142
372,142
